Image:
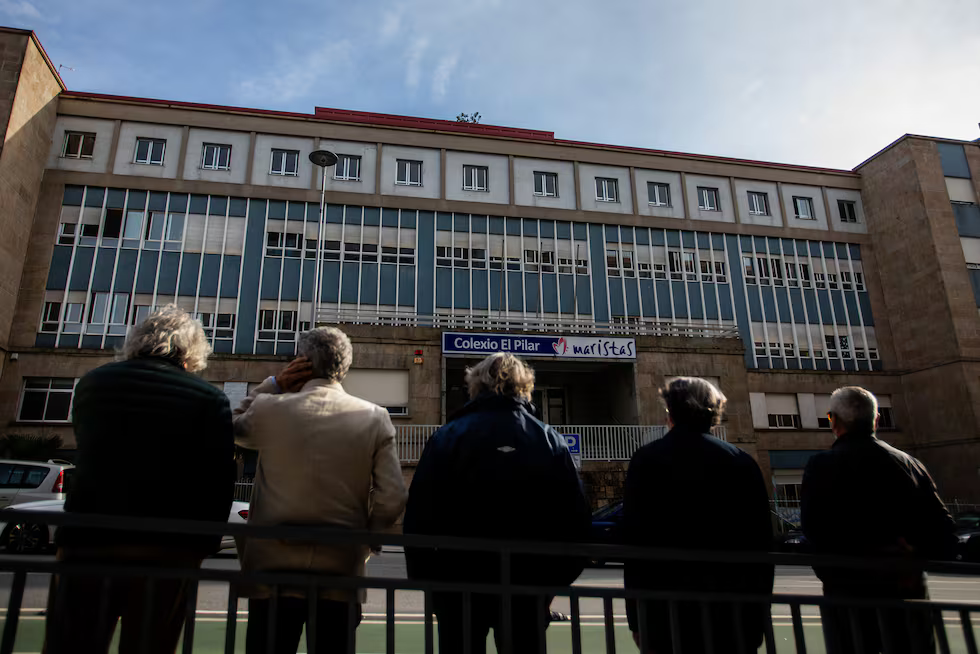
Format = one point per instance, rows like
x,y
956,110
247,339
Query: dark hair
x,y
693,403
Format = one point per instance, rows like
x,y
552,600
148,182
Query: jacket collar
x,y
493,402
683,432
854,437
322,383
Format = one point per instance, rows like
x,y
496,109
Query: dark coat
x,y
692,491
496,472
153,441
861,498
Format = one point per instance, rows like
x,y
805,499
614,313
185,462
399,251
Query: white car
x,y
32,481
33,538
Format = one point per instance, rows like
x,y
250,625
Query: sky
x,y
813,82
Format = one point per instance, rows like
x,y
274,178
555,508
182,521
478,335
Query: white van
x,y
33,481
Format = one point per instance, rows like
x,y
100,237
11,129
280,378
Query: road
x,y
213,598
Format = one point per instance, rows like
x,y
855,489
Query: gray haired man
x,y
863,497
325,458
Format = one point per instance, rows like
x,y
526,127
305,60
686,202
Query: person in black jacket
x,y
496,472
692,491
154,441
863,497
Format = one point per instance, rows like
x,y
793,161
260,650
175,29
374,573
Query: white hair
x,y
854,408
169,333
329,350
501,374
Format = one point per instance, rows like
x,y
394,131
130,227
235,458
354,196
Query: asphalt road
x,y
213,597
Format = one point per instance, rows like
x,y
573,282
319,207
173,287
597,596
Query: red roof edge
x,y
50,63
412,122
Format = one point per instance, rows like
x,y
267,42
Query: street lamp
x,y
324,159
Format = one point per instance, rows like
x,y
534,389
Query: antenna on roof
x,y
60,66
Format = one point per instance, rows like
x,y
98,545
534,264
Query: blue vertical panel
x,y
223,347
513,226
563,230
277,209
116,198
169,264
680,300
335,213
209,275
102,279
673,238
657,237
496,289
372,215
810,299
389,282
649,303
125,271
68,341
238,207
369,284
229,275
348,283
295,210
72,196
617,306
408,219
704,240
626,234
330,292
782,303
136,200
481,295
515,291
461,289
58,272
530,226
694,293
352,215
248,294
642,236
289,290
93,198
755,306
198,204
865,301
307,278
849,364
838,299
444,288
478,224
664,308
92,342
265,347
461,222
855,252
710,303
597,262
189,269
549,293
852,307
584,299
406,286
580,231
952,159
218,205
389,217
632,298
687,238
45,340
611,233
178,202
566,293
531,300
741,311
285,349
496,225
796,302
547,229
147,271
768,304
725,307
270,278
425,261
823,297
444,221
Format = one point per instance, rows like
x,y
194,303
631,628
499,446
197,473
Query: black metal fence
x,y
953,622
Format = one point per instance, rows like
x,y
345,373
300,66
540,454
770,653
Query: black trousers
x,y
529,621
854,630
336,623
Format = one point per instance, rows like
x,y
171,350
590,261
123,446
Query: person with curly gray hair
x,y
325,458
143,422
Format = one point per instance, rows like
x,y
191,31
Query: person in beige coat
x,y
327,459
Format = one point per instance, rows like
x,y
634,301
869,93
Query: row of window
x,y
109,313
294,246
769,270
678,266
783,412
533,261
790,351
131,226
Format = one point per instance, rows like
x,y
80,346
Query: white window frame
x,y
150,160
758,203
283,162
606,189
472,175
403,172
848,211
708,199
800,202
79,152
47,396
545,178
658,194
216,150
348,168
50,317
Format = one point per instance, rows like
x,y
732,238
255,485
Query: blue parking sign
x,y
574,443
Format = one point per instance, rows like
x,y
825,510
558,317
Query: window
x,y
408,173
548,262
852,280
220,326
98,309
626,259
140,313
805,274
112,225
612,263
284,162
46,399
531,260
216,157
707,198
150,151
51,317
848,211
713,273
606,189
133,226
274,323
73,317
348,168
443,256
885,419
475,178
646,271
67,234
658,194
758,204
831,343
803,207
546,184
78,145
748,269
784,421
792,275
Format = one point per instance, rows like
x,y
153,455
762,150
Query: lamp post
x,y
324,159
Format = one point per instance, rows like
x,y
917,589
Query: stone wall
x,y
603,482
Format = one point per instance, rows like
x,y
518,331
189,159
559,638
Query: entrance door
x,y
549,405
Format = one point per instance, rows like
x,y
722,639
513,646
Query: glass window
x,y
99,308
285,162
408,173
51,316
546,184
120,306
758,203
78,145
112,226
848,211
803,208
475,178
606,189
348,167
155,226
149,151
707,198
216,157
133,225
66,235
658,194
46,399
175,227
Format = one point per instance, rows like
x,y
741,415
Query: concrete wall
x,y
819,208
368,152
742,188
262,161
103,130
726,204
835,194
28,105
524,183
196,138
126,150
643,206
498,177
431,172
587,175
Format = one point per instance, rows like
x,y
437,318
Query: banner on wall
x,y
560,347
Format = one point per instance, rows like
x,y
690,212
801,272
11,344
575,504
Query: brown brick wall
x,y
25,148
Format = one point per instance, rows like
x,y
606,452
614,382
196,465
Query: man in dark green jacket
x,y
154,441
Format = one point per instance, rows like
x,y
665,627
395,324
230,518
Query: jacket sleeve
x,y
247,432
423,509
571,514
936,537
816,513
390,495
215,458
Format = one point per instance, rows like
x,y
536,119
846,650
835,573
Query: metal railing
x,y
565,324
784,620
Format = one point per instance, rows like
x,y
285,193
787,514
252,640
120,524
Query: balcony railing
x,y
565,324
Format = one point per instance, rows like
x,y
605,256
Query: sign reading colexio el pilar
x,y
561,347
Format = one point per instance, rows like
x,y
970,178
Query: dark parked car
x,y
605,526
968,533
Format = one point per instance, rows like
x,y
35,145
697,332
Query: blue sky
x,y
820,83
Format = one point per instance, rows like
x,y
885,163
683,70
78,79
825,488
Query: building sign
x,y
561,347
574,442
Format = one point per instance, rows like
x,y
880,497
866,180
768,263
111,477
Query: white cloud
x,y
440,80
413,66
297,74
20,9
391,22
